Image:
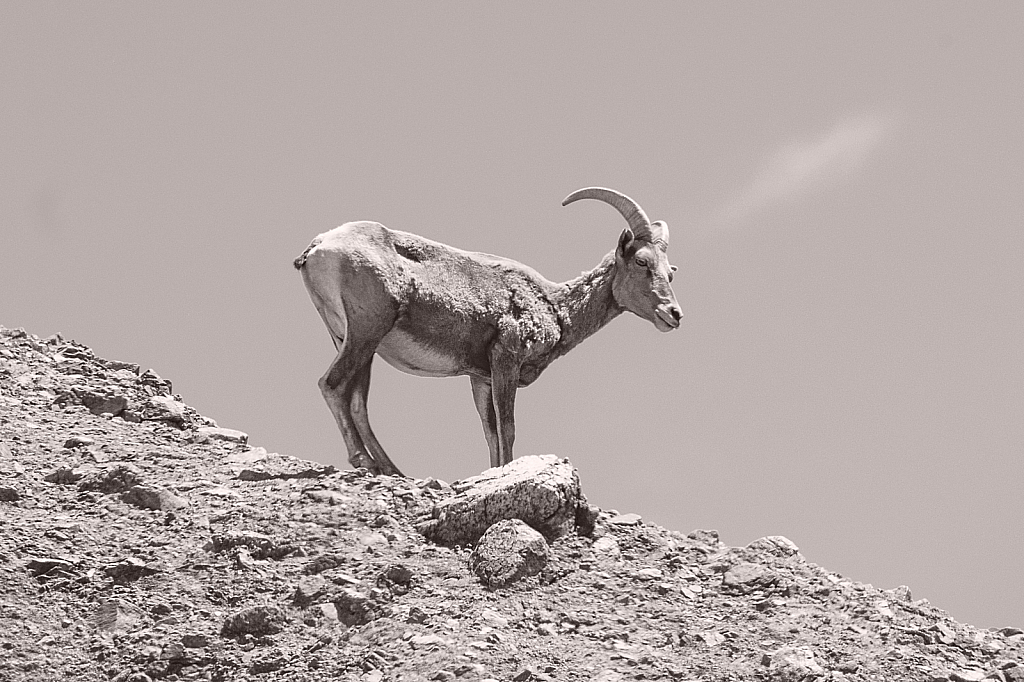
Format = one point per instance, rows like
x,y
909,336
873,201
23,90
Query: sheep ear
x,y
625,242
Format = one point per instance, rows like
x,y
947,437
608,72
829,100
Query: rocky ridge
x,y
139,541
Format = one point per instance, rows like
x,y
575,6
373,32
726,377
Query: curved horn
x,y
630,210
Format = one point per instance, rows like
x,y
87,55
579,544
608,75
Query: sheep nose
x,y
676,312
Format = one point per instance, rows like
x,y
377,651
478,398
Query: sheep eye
x,y
641,262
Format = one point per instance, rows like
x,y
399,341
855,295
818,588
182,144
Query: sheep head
x,y
643,276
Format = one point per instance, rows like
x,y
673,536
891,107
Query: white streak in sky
x,y
802,165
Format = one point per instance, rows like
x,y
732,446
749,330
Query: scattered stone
x,y
356,607
260,546
543,491
626,520
255,620
215,433
164,408
706,537
967,676
195,641
606,547
775,545
128,570
746,577
79,442
282,466
9,494
117,616
508,551
102,403
115,479
153,497
48,567
794,664
310,589
64,475
608,676
396,577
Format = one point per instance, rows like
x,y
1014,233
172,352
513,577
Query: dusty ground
x,y
150,546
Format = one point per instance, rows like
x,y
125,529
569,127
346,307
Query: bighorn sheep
x,y
437,311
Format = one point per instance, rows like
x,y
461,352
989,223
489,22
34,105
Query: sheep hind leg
x,y
338,387
360,391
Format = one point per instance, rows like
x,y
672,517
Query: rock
x,y
102,403
216,433
79,442
64,475
255,620
153,497
115,479
508,551
705,537
493,618
164,408
608,676
41,567
746,577
282,466
357,608
967,676
901,593
606,547
543,491
258,545
309,589
116,615
396,577
1014,674
9,494
794,664
775,545
196,640
128,570
626,520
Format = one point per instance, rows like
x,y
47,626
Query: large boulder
x,y
541,490
508,551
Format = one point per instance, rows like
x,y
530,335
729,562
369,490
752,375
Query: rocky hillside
x,y
138,542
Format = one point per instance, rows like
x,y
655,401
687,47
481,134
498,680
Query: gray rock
x,y
102,403
747,577
794,664
274,465
355,607
255,620
128,570
541,490
774,545
115,479
79,442
116,615
626,520
258,545
9,494
164,408
64,475
153,497
508,551
216,433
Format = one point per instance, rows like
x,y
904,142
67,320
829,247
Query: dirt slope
x,y
152,546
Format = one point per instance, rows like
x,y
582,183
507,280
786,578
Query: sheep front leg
x,y
504,382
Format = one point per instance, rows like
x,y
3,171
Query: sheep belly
x,y
403,352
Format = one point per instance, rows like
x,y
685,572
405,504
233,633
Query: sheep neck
x,y
587,304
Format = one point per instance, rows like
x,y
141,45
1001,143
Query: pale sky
x,y
843,182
